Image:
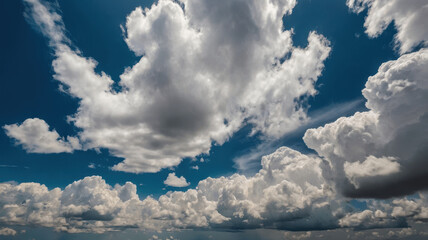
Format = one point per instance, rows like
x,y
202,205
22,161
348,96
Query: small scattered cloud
x,y
35,136
7,231
175,181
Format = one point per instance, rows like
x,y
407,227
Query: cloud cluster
x,y
35,137
290,192
205,71
409,18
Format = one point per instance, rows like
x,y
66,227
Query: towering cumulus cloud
x,y
206,69
383,152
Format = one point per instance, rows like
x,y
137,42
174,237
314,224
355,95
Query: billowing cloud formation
x,y
392,134
175,181
288,193
409,17
206,70
35,137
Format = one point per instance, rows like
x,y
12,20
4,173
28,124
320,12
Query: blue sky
x,y
350,43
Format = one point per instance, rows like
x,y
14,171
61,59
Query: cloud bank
x,y
290,192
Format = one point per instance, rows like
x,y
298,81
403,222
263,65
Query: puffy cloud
x,y
35,137
389,141
409,17
289,192
175,181
205,71
7,231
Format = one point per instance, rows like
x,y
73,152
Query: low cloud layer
x,y
290,192
206,70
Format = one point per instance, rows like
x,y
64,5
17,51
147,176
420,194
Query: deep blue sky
x,y
28,90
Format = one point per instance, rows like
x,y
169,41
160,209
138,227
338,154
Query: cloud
x,y
371,167
7,231
205,71
247,162
175,181
409,18
288,193
392,133
35,137
292,191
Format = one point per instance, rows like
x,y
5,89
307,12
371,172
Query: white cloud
x,y
395,127
175,181
290,192
7,231
201,77
35,137
196,167
409,18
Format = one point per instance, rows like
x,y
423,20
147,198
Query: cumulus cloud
x,y
289,192
389,141
409,18
175,181
35,137
7,231
206,69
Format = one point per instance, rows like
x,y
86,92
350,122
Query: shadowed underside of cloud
x,y
206,69
289,192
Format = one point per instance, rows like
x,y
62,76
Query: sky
x,y
198,119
